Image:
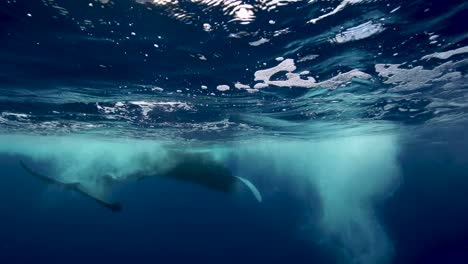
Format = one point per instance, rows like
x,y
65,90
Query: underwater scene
x,y
234,131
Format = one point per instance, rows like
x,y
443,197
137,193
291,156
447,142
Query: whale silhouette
x,y
189,167
203,170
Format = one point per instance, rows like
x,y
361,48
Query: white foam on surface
x,y
260,86
250,90
446,54
239,85
222,88
300,79
148,106
308,57
405,79
16,115
259,42
120,109
362,31
265,75
159,89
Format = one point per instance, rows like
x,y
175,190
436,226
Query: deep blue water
x,y
349,116
171,222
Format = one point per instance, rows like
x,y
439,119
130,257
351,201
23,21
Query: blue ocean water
x,y
348,116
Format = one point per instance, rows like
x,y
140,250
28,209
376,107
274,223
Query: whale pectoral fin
x,y
42,177
252,188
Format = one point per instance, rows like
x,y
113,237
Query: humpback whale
x,y
189,167
203,170
74,186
